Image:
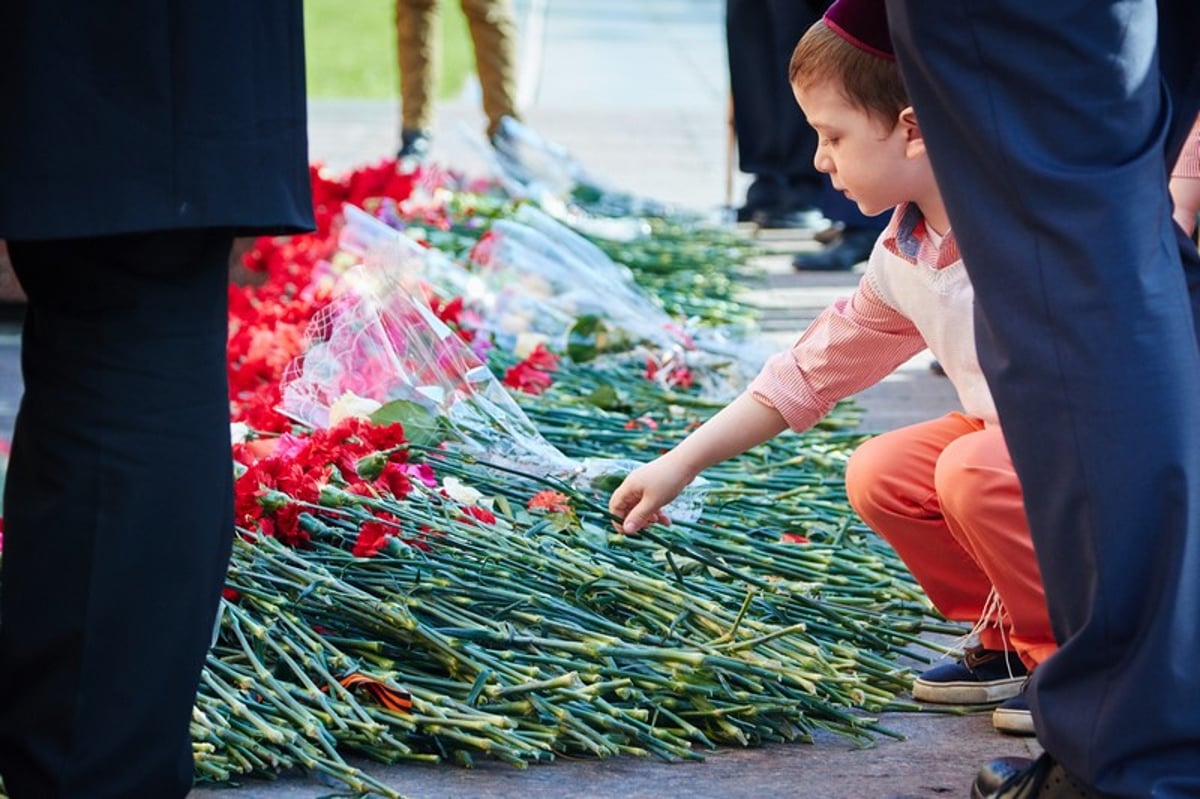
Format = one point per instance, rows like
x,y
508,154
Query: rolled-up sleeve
x,y
1188,165
853,344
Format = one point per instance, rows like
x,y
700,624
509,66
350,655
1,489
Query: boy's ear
x,y
914,139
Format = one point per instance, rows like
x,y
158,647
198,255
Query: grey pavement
x,y
636,90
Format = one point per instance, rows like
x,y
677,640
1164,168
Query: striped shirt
x,y
914,295
1188,165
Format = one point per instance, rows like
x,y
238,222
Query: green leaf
x,y
585,338
421,427
605,396
593,534
608,482
561,521
503,508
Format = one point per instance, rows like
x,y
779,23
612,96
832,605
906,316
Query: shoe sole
x,y
1013,722
966,692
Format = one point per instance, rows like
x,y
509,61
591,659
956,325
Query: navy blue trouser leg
x,y
119,513
774,140
1048,127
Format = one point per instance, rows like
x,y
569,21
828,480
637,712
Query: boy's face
x,y
866,160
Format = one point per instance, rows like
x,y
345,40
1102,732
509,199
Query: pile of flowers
x,y
408,585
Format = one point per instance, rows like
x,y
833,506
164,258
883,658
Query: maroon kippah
x,y
864,24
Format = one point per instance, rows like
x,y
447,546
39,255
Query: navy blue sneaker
x,y
982,676
1012,717
852,248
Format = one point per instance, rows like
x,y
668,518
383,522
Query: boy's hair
x,y
867,81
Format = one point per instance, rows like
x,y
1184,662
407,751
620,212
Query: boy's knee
x,y
869,483
961,478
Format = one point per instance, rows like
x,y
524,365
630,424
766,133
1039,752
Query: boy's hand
x,y
640,498
740,425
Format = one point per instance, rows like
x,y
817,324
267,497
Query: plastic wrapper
x,y
505,304
578,278
518,253
749,355
379,342
526,284
408,263
535,279
530,166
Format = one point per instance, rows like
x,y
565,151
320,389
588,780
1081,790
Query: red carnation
x,y
475,512
371,538
527,378
551,501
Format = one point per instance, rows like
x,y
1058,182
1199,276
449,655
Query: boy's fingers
x,y
642,515
621,501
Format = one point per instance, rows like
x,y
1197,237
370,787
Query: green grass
x,y
351,49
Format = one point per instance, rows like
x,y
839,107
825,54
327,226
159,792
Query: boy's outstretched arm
x,y
742,424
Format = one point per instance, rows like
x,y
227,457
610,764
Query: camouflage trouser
x,y
493,33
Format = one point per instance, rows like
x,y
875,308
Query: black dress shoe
x,y
997,772
853,247
414,145
747,212
1019,778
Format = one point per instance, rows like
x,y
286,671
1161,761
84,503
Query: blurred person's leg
x,y
118,513
417,55
775,143
494,35
1053,167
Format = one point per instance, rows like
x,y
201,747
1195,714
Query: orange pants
x,y
944,494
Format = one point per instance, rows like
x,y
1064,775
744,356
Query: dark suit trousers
x,y
1050,127
774,140
119,513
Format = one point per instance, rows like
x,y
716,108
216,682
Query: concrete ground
x,y
636,90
